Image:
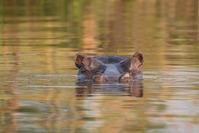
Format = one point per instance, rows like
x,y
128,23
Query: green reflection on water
x,y
28,109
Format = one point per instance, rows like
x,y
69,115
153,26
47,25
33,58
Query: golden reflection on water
x,y
38,89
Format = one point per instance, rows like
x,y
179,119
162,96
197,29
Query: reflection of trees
x,y
8,91
111,25
119,24
181,18
7,114
89,33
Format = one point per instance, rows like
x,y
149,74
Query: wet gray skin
x,y
103,69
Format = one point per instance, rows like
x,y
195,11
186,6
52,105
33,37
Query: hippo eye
x,y
86,73
82,69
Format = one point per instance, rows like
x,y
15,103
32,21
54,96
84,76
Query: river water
x,y
39,92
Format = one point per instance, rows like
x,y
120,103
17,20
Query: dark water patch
x,y
27,109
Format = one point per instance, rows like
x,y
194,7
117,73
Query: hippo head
x,y
103,69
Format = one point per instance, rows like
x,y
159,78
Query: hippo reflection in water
x,y
102,69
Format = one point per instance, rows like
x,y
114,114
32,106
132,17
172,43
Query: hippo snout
x,y
101,78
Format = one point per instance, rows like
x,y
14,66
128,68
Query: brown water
x,y
38,90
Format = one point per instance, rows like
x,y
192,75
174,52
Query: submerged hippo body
x,y
103,69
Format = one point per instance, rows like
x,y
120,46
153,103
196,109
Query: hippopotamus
x,y
103,69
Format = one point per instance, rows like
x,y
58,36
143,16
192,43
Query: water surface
x,y
38,87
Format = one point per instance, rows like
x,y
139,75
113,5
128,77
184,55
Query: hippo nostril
x,y
99,78
125,77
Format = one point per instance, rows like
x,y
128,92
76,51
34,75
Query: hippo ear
x,y
139,56
78,60
134,64
129,65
